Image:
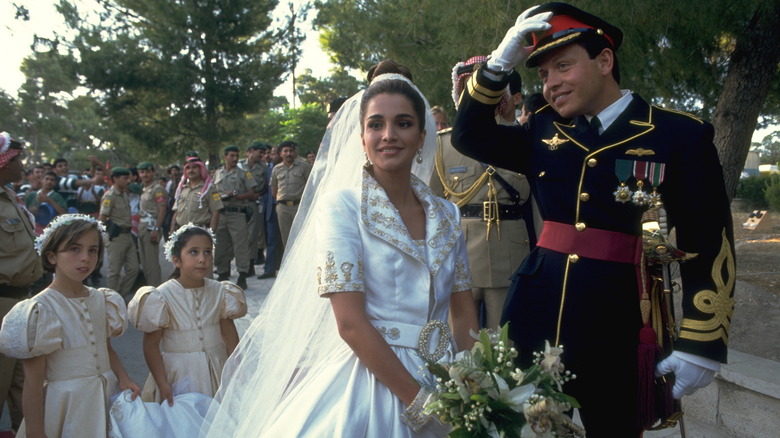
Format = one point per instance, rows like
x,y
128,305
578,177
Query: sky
x,y
17,36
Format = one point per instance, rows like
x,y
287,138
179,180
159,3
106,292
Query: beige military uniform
x,y
233,229
189,207
121,248
257,222
20,266
289,183
495,247
153,197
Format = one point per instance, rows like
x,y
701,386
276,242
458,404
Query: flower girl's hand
x,y
129,384
166,393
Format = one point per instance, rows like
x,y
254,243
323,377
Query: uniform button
x,y
456,178
580,226
592,162
584,197
574,258
98,367
95,354
93,342
541,174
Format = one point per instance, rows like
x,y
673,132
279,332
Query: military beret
x,y
119,171
335,104
515,82
567,25
231,148
189,154
145,165
258,145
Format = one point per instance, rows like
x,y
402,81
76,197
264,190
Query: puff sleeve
x,y
339,254
233,301
148,311
29,330
116,312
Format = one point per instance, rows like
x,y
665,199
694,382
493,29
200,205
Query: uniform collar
x,y
609,114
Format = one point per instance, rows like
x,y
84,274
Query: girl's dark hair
x,y
393,86
181,241
66,235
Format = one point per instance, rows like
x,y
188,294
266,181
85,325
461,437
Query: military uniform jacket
x,y
20,265
260,172
495,252
290,181
116,207
573,177
236,179
189,206
151,196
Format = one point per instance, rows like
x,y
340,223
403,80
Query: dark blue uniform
x,y
590,306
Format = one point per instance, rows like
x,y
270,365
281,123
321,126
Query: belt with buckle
x,y
506,212
235,209
289,203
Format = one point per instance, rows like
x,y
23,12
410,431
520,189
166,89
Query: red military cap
x,y
567,25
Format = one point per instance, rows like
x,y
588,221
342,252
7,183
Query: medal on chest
x,y
644,172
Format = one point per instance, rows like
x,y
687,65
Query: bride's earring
x,y
368,162
418,159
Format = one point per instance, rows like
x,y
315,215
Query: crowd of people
x,y
403,235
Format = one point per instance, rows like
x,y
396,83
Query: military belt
x,y
235,209
506,212
289,203
16,292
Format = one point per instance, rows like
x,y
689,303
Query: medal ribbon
x,y
640,170
623,169
657,173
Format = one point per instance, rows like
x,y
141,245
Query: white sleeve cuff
x,y
698,360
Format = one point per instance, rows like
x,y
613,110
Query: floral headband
x,y
66,219
168,249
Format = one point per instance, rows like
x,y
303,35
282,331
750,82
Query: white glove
x,y
512,50
689,376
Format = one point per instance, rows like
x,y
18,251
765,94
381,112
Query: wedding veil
x,y
296,329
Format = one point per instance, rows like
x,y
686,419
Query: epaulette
x,y
682,113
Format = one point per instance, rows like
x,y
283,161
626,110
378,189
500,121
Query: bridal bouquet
x,y
482,394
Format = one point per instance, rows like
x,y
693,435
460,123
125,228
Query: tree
x,y
769,148
323,91
717,59
174,76
304,125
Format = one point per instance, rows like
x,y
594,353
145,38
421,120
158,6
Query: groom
x,y
593,157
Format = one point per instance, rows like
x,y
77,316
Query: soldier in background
x,y
152,211
122,253
495,216
256,165
237,190
20,267
287,182
196,198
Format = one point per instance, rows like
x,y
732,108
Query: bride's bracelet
x,y
413,416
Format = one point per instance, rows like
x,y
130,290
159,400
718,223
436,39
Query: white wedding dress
x,y
292,375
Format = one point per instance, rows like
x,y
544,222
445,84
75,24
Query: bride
x,y
377,265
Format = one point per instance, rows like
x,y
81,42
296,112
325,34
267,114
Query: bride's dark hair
x,y
388,66
394,86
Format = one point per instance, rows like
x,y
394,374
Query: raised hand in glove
x,y
512,50
689,375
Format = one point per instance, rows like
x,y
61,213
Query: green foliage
x,y
772,193
769,149
323,90
751,190
304,125
674,53
174,76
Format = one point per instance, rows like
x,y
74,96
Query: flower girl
x,y
187,321
62,336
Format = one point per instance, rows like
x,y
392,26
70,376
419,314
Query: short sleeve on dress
x,y
116,312
148,311
29,330
233,301
339,258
